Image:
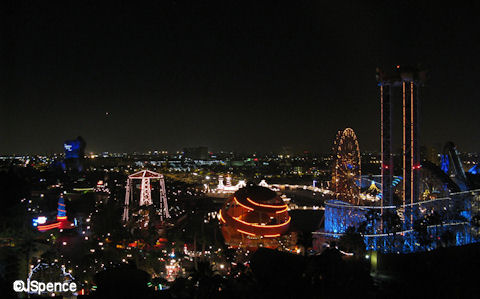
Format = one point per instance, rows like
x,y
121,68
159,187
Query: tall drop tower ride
x,y
401,85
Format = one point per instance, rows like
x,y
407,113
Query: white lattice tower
x,y
146,193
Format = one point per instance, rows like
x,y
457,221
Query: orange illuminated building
x,y
254,217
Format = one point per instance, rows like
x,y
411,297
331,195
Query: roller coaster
x,y
452,166
448,204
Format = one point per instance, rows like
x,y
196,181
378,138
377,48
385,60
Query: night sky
x,y
254,76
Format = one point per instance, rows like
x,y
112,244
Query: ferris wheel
x,y
346,172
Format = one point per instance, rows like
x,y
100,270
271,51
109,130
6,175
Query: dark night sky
x,y
255,76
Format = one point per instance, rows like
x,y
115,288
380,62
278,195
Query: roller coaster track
x,y
452,166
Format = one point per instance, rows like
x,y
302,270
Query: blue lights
x,y
396,180
72,149
466,214
475,169
444,163
340,215
39,220
408,241
440,216
61,208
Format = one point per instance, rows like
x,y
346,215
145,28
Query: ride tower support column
x,y
386,143
410,149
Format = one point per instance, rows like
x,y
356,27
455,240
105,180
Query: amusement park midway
x,y
197,217
166,215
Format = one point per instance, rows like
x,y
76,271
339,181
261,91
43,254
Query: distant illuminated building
x,y
196,153
228,187
102,187
74,153
254,217
224,187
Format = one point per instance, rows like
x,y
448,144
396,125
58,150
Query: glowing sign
x,y
72,149
39,220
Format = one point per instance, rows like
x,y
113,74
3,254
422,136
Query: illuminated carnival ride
x,y
145,177
141,211
346,172
254,217
61,223
444,203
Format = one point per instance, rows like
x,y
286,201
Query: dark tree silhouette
x,y
420,226
352,241
391,222
447,238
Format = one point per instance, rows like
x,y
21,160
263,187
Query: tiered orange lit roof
x,y
253,215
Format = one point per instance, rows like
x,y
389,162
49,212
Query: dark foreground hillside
x,y
443,273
